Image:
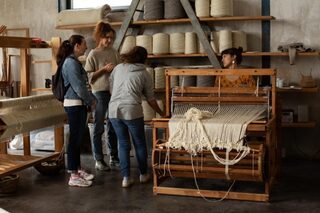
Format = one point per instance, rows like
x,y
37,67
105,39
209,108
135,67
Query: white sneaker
x,y
144,178
80,182
85,175
126,182
102,166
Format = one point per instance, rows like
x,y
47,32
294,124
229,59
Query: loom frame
x,y
265,128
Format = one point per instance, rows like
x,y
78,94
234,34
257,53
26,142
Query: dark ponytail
x,y
234,52
67,47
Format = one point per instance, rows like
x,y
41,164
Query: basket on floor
x,y
51,167
9,184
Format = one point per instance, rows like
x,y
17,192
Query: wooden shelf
x,y
41,90
41,61
171,21
298,90
311,124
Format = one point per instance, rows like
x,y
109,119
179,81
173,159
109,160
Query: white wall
x,y
296,21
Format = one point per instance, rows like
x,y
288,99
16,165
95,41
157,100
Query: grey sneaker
x,y
79,182
126,182
101,165
144,178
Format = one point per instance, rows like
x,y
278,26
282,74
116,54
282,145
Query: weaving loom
x,y
217,133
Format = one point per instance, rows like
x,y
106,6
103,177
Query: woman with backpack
x,y
77,101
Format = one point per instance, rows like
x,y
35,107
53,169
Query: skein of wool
x,y
159,78
145,41
214,37
160,43
129,42
153,9
148,112
220,8
173,9
239,39
191,43
202,8
177,42
225,40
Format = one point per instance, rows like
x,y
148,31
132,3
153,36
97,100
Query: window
x,y
77,4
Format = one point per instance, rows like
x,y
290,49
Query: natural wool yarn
x,y
187,81
128,44
160,43
225,40
239,39
153,9
191,43
202,8
159,78
145,41
173,9
214,37
151,73
220,8
148,112
177,42
205,81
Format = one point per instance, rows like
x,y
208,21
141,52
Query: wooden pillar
x,y
24,73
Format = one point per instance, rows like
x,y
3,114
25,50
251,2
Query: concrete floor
x,y
297,190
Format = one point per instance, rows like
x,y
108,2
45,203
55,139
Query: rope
x,y
191,43
225,40
145,41
202,8
129,42
239,39
177,42
159,78
173,9
153,9
221,8
160,43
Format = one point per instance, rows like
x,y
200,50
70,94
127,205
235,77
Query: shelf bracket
x,y
201,35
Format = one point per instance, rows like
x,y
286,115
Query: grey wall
x,y
296,21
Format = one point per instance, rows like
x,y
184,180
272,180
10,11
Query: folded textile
x,y
292,49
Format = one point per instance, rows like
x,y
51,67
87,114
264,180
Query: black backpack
x,y
58,88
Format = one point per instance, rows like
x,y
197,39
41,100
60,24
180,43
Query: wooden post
x,y
24,73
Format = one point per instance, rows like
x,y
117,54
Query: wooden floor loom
x,y
260,165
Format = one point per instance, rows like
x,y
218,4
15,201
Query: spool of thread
x,y
187,81
160,43
225,40
145,41
128,44
239,39
220,8
159,78
161,106
174,81
151,73
214,41
177,42
148,112
173,9
205,81
202,8
191,43
153,9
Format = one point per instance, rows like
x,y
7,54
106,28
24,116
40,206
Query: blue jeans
x,y
136,129
103,98
77,118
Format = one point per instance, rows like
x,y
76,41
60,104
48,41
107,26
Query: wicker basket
x,y
9,184
52,167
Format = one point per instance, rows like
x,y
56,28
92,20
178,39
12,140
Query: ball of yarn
x,y
214,41
239,39
202,8
225,40
145,41
173,9
128,44
148,112
190,43
159,78
151,73
153,9
220,8
177,42
160,43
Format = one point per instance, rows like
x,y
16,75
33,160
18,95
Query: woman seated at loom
x,y
231,59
